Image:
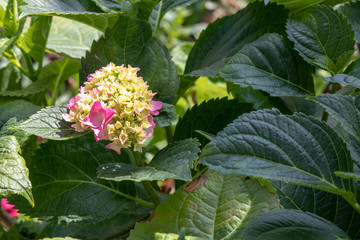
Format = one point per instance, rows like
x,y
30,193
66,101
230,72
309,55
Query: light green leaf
x,y
270,65
6,42
33,41
351,76
334,209
343,109
71,38
173,236
317,42
84,11
173,161
226,36
14,175
209,208
348,175
298,5
65,186
298,149
10,78
49,123
293,224
352,11
130,42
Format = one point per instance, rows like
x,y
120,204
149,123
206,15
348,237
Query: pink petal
x,y
98,118
9,208
115,146
72,102
149,131
157,105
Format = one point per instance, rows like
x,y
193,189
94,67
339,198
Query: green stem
x,y
5,219
356,206
55,90
29,64
147,185
15,62
16,15
158,18
169,134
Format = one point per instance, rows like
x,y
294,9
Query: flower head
x,y
9,208
116,104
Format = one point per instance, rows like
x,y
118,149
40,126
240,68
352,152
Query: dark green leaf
x,y
297,149
270,65
10,78
166,115
173,161
322,37
33,41
330,206
293,224
49,123
65,186
130,42
117,227
145,7
226,36
84,11
209,208
351,76
211,117
352,12
71,38
14,176
20,109
342,108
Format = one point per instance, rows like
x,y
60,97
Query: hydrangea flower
x,y
9,208
116,104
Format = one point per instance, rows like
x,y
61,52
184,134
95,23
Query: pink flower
x,y
157,105
98,118
72,102
9,208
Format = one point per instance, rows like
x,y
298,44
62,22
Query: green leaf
x,y
84,11
351,76
180,54
65,186
298,149
343,109
329,206
10,78
71,38
35,88
20,109
270,65
49,123
130,42
145,7
14,176
322,37
352,11
293,224
211,117
226,36
166,115
6,42
33,41
118,227
209,208
173,161
173,236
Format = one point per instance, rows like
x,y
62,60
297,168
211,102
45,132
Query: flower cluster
x,y
117,105
9,208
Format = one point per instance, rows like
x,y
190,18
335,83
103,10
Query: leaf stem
x,y
147,185
5,219
55,91
15,62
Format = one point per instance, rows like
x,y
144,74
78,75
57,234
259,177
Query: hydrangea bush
x,y
116,124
